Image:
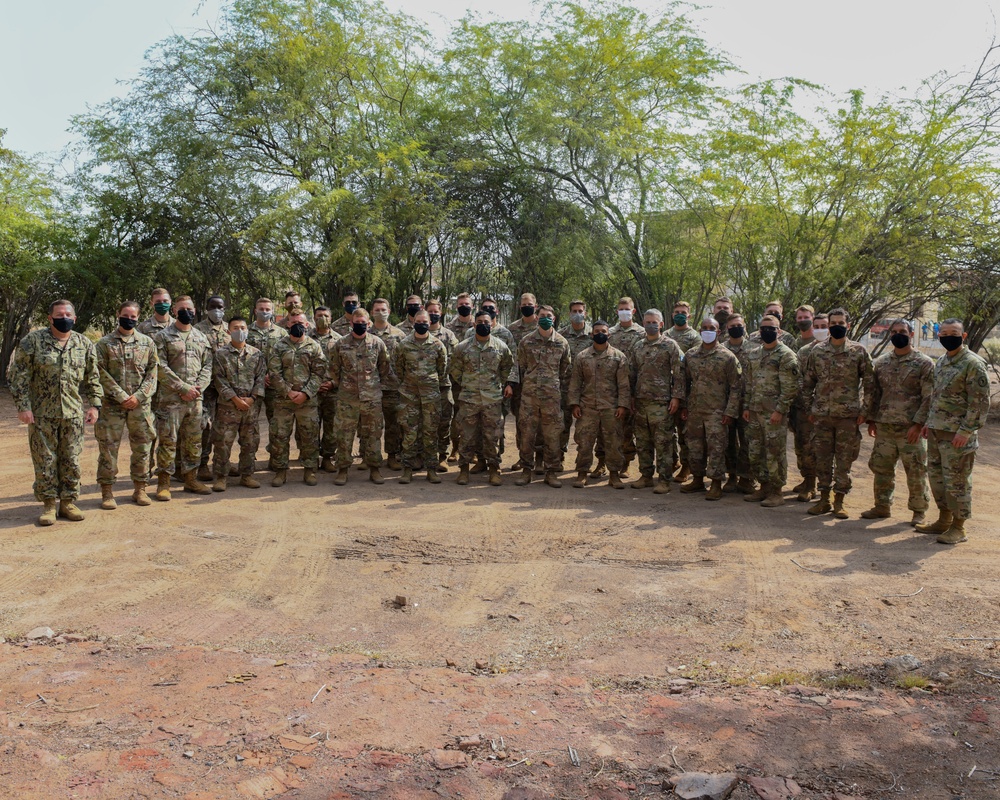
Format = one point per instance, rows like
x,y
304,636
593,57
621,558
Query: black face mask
x,y
775,314
412,309
492,312
600,338
185,316
900,340
63,324
483,329
126,323
721,318
527,311
838,331
435,318
950,343
421,327
768,335
298,330
464,311
804,324
737,332
350,306
360,328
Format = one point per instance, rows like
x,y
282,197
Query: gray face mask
x,y
239,336
577,319
216,315
264,316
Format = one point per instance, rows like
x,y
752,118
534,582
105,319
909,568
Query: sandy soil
x,y
539,620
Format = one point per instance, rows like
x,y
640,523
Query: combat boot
x,y
220,484
732,485
204,472
191,484
600,470
108,498
807,490
309,478
644,482
479,466
442,465
341,477
744,485
823,506
917,518
877,512
375,476
954,534
234,470
774,498
432,475
838,505
799,486
68,510
495,479
163,487
453,455
463,475
715,492
662,485
280,476
581,480
552,479
48,515
519,464
683,475
614,480
249,481
393,462
407,475
139,496
328,465
697,484
623,472
756,497
942,525
525,478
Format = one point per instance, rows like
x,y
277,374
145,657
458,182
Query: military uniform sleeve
x,y
19,376
977,389
148,386
164,373
734,377
624,387
259,373
398,364
873,399
867,377
677,387
507,365
788,382
222,380
442,367
333,366
575,383
565,365
111,387
92,389
205,376
522,360
809,380
384,370
455,367
687,381
926,391
275,371
317,371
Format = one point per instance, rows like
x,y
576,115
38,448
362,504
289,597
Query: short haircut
x,y
901,321
379,300
413,297
654,312
954,321
360,310
236,318
423,311
550,309
126,304
734,315
159,290
215,297
808,308
463,294
626,299
184,298
768,316
723,299
821,318
56,303
260,300
351,293
777,303
529,294
434,301
682,304
838,312
599,323
292,293
483,313
577,303
712,320
321,308
486,300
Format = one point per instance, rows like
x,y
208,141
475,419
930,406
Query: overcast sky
x,y
59,56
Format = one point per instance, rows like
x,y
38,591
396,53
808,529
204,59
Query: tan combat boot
x,y
941,525
552,479
221,483
662,485
745,485
280,476
432,475
643,482
683,475
917,519
48,515
774,497
341,477
581,480
823,506
375,476
877,512
328,465
463,475
525,478
139,496
600,470
807,490
108,502
453,455
695,485
163,487
623,472
406,476
234,470
838,505
191,484
204,472
715,492
393,462
68,510
758,496
442,465
249,481
954,534
479,466
495,479
615,481
309,477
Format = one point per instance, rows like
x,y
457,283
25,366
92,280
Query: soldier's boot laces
x,y
163,487
221,483
643,482
580,481
48,515
807,490
525,477
309,478
744,485
328,465
375,476
341,477
463,475
838,506
732,485
774,498
758,496
108,502
204,472
68,510
139,496
406,476
615,481
823,506
877,512
941,525
432,475
715,492
683,475
917,518
600,470
662,485
552,479
193,485
495,479
280,476
954,534
696,484
249,481
479,466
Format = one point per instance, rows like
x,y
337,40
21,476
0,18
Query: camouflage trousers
x,y
836,443
209,404
567,428
480,432
738,449
591,429
456,429
232,425
950,472
365,419
327,422
514,406
305,420
269,398
446,412
768,446
681,457
539,417
706,444
891,446
802,431
654,438
109,429
178,430
56,445
391,410
627,444
420,419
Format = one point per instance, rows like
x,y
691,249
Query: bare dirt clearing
x,y
565,614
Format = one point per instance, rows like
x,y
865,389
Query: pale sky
x,y
59,56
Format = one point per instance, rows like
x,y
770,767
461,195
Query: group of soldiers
x,y
690,404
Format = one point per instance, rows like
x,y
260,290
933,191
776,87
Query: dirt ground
x,y
558,627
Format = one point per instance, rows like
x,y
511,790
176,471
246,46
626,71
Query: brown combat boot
x,y
163,487
683,475
309,477
581,480
662,485
643,482
823,506
877,512
838,505
623,472
917,519
108,498
432,475
328,465
495,479
941,525
615,481
204,472
249,481
463,475
553,480
393,462
280,476
443,465
954,534
774,497
600,470
715,492
807,490
48,515
191,484
234,470
696,484
479,466
221,483
68,510
745,485
525,478
406,476
453,455
341,477
139,496
375,476
731,485
756,497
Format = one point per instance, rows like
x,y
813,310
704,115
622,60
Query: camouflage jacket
x,y
342,325
714,381
785,338
324,338
458,326
238,373
481,370
656,371
799,343
771,380
500,332
578,340
52,381
150,327
520,328
686,339
421,367
406,325
359,368
544,366
901,389
600,380
217,335
185,362
961,398
264,338
296,367
743,352
625,339
392,336
837,380
128,367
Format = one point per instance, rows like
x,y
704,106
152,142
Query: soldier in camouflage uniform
x,y
184,372
343,324
777,310
126,360
959,406
217,332
543,361
714,381
525,324
413,305
656,380
806,320
448,339
238,376
391,402
159,301
837,382
420,363
483,366
263,335
325,334
738,446
50,371
577,333
896,412
686,338
600,397
624,337
293,306
770,385
459,325
359,368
